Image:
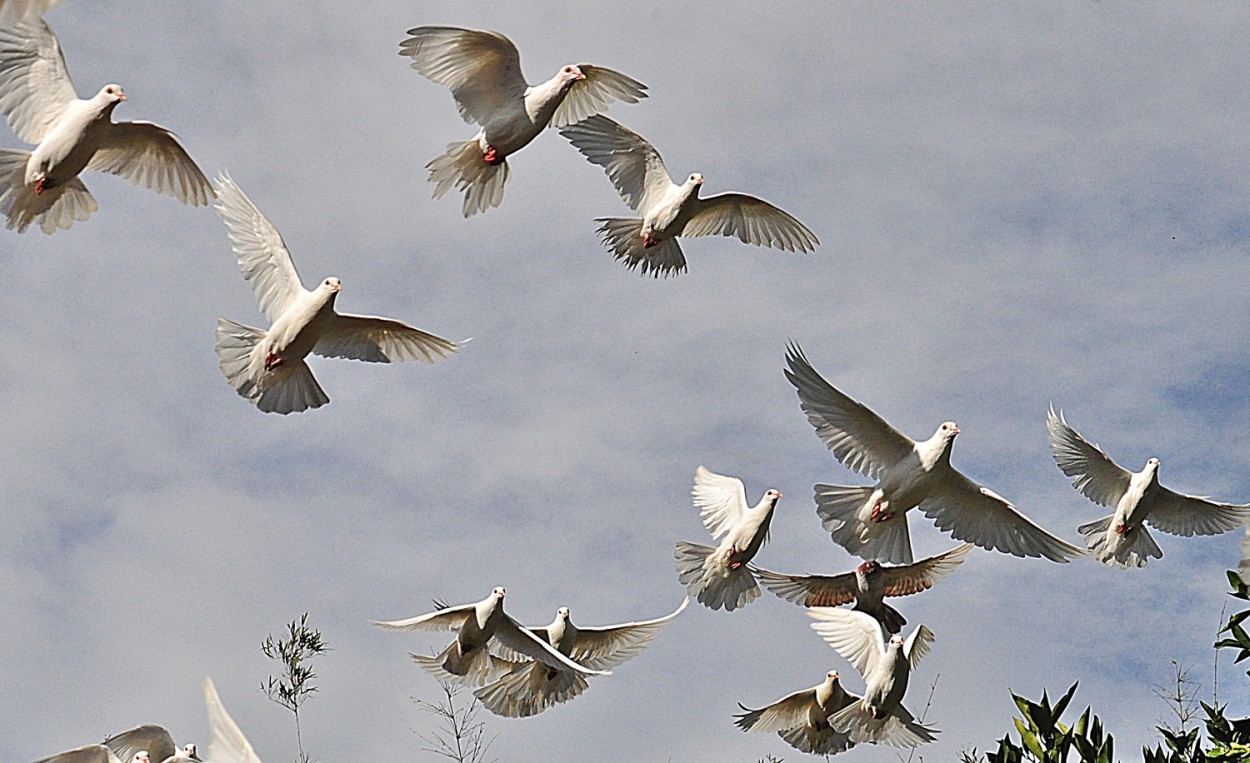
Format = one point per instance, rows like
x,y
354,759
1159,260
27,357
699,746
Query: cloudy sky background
x,y
1016,206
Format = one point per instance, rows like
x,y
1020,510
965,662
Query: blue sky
x,y
1017,206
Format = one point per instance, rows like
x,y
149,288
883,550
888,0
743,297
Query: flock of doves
x,y
520,671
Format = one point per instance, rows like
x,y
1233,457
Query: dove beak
x,y
121,96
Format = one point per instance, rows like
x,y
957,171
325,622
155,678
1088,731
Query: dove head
x,y
142,757
948,430
896,641
110,95
1152,465
563,613
189,750
772,495
332,284
570,74
832,675
498,592
868,567
695,179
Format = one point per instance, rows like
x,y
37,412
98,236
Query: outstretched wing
x,y
379,340
34,84
917,645
924,574
978,515
855,635
784,714
156,740
1188,515
631,163
858,438
810,590
91,753
482,69
147,154
1100,479
610,645
721,500
226,742
591,95
263,258
752,220
444,619
520,640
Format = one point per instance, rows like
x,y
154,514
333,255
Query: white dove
x,y
226,742
483,71
871,521
267,367
719,577
468,660
153,740
1121,540
802,718
532,687
669,210
14,11
866,585
878,716
39,101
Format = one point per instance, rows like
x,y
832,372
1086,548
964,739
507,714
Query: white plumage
x,y
267,367
720,577
38,100
1121,539
669,210
871,521
483,72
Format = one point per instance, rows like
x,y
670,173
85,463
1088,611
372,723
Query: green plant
x,y
293,688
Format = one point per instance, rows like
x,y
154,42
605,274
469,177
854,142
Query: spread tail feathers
x,y
707,576
285,389
817,741
623,236
898,729
530,689
839,508
477,668
462,166
1133,551
56,207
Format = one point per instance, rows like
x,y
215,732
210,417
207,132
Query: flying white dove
x,y
15,11
866,585
871,521
468,660
226,742
1121,540
720,577
267,367
153,740
532,687
39,101
669,210
483,71
802,718
878,716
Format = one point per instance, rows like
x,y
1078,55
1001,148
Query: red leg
x,y
649,240
272,361
39,186
491,156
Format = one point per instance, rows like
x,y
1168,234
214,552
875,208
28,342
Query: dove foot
x,y
649,240
878,515
41,185
272,361
491,156
1123,529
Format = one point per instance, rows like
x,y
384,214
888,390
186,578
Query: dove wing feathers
x,y
482,69
34,84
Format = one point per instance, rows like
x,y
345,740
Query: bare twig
x,y
1181,695
460,736
923,713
